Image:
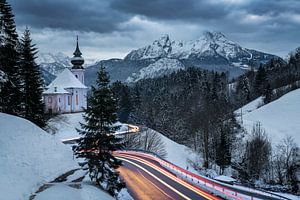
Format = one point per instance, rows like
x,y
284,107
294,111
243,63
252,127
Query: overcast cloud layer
x,y
111,28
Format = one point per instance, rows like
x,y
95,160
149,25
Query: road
x,y
148,180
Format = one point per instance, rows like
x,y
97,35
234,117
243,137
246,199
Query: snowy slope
x,y
278,118
178,154
164,66
28,157
64,192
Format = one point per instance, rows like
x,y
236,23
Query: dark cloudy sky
x,y
111,28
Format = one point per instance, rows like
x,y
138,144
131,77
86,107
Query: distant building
x,y
67,93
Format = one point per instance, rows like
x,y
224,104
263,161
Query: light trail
x,y
170,175
158,179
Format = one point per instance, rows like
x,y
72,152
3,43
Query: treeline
x,y
271,80
196,108
21,85
191,107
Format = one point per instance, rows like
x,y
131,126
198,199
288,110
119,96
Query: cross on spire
x,y
77,60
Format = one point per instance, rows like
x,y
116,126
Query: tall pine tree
x,y
98,142
11,96
33,107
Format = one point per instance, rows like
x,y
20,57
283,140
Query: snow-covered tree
x,y
32,86
11,96
98,142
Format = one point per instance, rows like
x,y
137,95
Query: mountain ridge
x,y
210,51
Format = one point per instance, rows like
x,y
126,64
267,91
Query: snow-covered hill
x,y
164,66
28,157
279,118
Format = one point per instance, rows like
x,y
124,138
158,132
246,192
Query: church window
x,y
59,100
76,76
69,100
76,99
49,99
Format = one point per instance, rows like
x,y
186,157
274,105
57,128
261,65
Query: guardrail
x,y
211,186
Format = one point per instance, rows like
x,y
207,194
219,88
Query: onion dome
x,y
77,60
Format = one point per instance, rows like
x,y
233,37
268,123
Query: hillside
x,y
30,157
279,118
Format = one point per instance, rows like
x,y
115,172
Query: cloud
x,y
111,28
88,15
172,9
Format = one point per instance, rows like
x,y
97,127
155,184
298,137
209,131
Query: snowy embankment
x,y
65,126
29,157
279,118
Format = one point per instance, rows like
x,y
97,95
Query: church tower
x,y
77,62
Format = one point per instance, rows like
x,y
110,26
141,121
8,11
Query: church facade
x,y
67,92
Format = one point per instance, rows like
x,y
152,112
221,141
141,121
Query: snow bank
x,y
28,157
279,118
64,192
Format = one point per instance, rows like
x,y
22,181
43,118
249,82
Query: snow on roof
x,y
66,79
56,90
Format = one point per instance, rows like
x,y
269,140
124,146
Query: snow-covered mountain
x,y
207,47
52,64
211,51
163,66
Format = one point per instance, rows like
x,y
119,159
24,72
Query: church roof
x,y
56,90
66,79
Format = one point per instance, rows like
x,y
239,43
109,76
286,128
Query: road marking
x,y
172,176
145,170
156,186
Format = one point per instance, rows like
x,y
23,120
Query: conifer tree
x,y
260,80
32,82
98,142
11,96
223,156
267,94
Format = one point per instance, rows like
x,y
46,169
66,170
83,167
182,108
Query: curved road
x,y
148,180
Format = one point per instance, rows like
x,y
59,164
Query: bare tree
x,y
258,153
285,162
148,140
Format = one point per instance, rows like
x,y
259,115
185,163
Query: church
x,y
67,92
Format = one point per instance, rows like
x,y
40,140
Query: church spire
x,y
77,60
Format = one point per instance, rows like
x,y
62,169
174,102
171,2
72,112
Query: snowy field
x,y
279,118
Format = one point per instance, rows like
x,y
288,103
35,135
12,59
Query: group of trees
x,y
271,80
260,160
196,108
191,107
21,92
